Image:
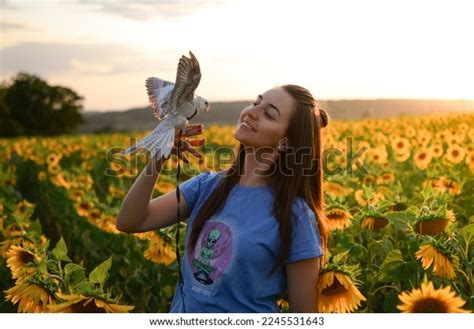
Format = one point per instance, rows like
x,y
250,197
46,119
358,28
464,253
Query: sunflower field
x,y
398,198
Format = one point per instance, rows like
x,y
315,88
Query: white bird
x,y
173,105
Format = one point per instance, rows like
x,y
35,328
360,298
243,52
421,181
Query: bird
x,y
173,104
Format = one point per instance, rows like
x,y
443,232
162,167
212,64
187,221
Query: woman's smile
x,y
247,127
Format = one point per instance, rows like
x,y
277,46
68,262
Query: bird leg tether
x,y
181,284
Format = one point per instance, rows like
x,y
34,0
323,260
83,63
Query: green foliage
x,y
29,106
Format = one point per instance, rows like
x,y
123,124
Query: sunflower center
x,y
336,215
335,289
26,257
429,305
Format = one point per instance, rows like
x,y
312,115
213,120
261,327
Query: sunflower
x,y
108,224
116,192
455,154
362,198
410,131
149,235
379,154
53,159
436,150
336,189
422,158
470,161
77,303
76,195
23,207
451,185
32,297
18,259
402,157
61,180
283,304
94,216
442,265
338,219
434,226
159,251
54,168
436,184
374,222
444,135
337,293
368,179
386,177
164,187
83,208
427,299
42,176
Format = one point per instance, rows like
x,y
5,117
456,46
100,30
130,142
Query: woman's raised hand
x,y
186,144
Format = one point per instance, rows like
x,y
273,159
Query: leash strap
x,y
178,197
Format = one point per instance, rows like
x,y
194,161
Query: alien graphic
x,y
203,264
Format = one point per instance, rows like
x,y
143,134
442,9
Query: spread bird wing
x,y
159,142
159,94
187,80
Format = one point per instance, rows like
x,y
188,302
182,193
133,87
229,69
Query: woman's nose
x,y
252,112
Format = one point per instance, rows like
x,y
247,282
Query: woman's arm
x,y
302,279
138,213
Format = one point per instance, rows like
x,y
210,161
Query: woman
x,y
256,229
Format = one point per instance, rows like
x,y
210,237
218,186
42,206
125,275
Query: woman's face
x,y
269,116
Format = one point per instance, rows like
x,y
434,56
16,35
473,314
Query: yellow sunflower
x,y
164,187
42,176
442,265
369,179
436,150
32,297
427,299
61,180
83,208
455,154
159,251
386,177
336,189
362,198
402,157
338,219
84,304
337,293
451,186
422,158
23,207
378,154
18,258
470,161
53,159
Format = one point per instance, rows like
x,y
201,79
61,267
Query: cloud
x,y
147,9
4,26
93,59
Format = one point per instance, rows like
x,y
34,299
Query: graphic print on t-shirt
x,y
212,254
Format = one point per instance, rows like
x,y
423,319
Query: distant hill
x,y
139,119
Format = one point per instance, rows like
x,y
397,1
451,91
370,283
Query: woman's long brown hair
x,y
304,133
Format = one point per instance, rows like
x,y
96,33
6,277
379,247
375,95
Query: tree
x,y
29,106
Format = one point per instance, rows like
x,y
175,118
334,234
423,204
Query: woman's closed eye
x,y
266,113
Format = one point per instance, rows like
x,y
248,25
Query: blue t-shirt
x,y
237,248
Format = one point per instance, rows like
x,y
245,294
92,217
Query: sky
x,y
105,50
